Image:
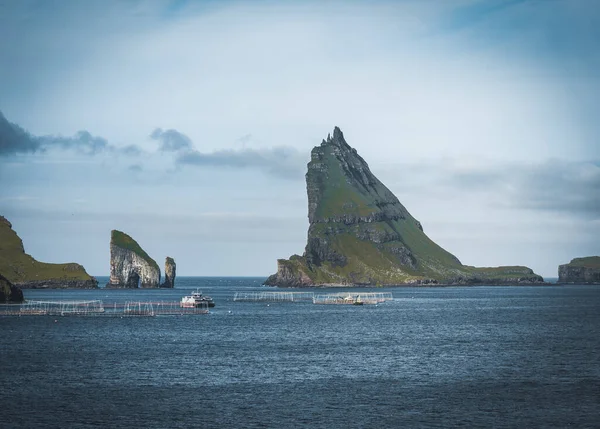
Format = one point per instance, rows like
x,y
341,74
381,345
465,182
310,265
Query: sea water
x,y
432,357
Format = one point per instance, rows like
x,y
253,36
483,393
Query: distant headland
x,y
24,271
580,270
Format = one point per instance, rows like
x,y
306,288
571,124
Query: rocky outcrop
x,y
9,293
580,270
170,273
24,271
130,265
360,234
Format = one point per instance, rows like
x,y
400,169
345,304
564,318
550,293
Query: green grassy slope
x,y
17,266
361,234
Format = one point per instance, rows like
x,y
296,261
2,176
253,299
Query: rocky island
x,y
130,265
24,271
170,268
360,234
580,270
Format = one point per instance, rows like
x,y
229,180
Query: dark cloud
x,y
553,185
14,140
82,142
280,161
171,140
135,168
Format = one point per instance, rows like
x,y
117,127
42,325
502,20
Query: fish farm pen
x,y
353,298
326,298
273,296
98,308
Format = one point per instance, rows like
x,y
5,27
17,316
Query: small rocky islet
x,y
131,267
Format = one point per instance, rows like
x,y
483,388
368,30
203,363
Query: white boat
x,y
196,300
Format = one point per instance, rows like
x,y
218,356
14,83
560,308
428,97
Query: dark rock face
x,y
24,271
9,293
130,265
288,275
360,234
580,270
170,273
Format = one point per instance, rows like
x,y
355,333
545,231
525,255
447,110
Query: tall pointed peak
x,y
337,134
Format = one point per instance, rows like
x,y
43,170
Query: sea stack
x,y
170,268
580,270
360,234
24,271
130,265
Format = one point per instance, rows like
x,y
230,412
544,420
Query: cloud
x,y
558,186
568,187
83,142
14,140
284,162
280,161
171,140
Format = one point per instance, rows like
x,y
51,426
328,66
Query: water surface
x,y
432,357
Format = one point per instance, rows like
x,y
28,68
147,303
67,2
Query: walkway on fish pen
x,y
353,298
97,308
274,296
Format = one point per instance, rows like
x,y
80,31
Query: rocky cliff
x,y
170,268
9,293
580,270
24,271
360,234
130,265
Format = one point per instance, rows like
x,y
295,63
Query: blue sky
x,y
189,124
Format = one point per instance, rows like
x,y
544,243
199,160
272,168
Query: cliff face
x,y
360,234
9,293
170,268
580,270
24,271
130,265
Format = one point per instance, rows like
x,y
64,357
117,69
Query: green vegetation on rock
x,y
124,241
22,269
587,262
360,234
580,270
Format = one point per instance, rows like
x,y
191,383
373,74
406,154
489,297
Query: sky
x,y
188,124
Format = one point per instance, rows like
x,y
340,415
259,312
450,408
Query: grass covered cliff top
x,y
124,241
17,266
588,262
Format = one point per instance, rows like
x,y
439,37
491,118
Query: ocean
x,y
432,357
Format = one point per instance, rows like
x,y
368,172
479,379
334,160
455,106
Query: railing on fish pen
x,y
138,308
155,308
353,298
62,308
273,296
98,308
174,307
